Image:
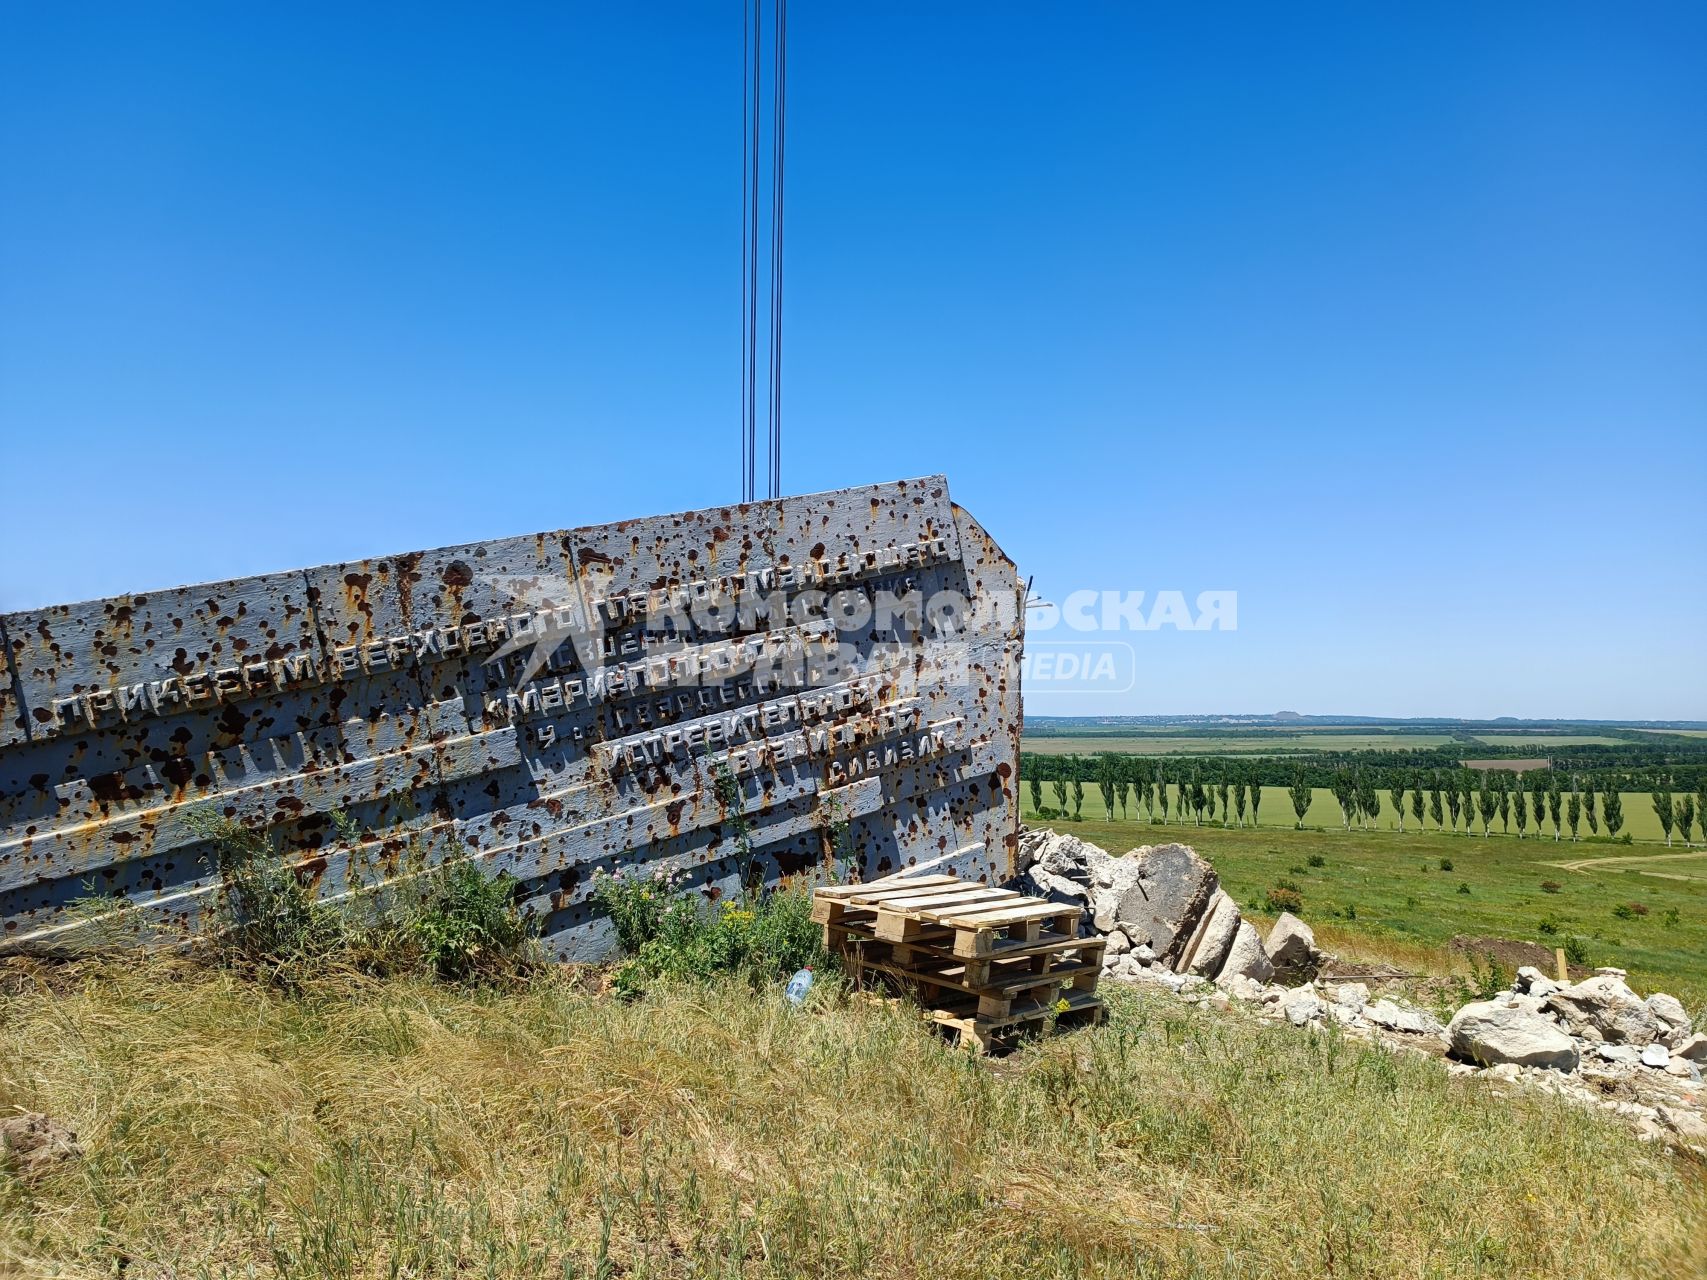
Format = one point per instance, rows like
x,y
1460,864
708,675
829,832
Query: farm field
x,y
1230,743
1639,820
1543,740
1383,895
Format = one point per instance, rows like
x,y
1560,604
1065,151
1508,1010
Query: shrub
x,y
1551,886
1464,888
269,922
667,931
1446,864
1488,977
1670,919
1638,908
1316,860
468,925
1548,925
1576,950
1350,912
453,920
1284,897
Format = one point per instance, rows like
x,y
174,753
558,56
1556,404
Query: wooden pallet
x,y
984,963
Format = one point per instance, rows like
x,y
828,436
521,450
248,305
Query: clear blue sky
x,y
1394,323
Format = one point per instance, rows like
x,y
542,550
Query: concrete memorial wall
x,y
765,689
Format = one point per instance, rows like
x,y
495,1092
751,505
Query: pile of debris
x,y
1165,919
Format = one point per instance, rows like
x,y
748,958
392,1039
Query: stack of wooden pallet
x,y
986,964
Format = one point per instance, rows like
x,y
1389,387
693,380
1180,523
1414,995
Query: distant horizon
x,y
1363,718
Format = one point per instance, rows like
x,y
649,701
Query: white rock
x,y
1504,1071
1655,1055
1531,981
1143,954
1353,995
1684,1069
1213,937
1118,943
1686,1124
1607,1006
1246,956
1240,987
1668,1009
1495,1034
1302,1005
1694,1049
1291,944
1627,1054
1396,1017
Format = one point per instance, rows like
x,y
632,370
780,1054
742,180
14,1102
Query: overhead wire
x,y
752,215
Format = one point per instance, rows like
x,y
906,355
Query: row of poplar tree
x,y
1447,797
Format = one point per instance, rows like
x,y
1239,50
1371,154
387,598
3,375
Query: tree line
x,y
1196,789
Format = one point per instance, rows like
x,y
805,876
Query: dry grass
x,y
406,1129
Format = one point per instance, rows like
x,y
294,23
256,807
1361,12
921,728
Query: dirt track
x,y
1589,864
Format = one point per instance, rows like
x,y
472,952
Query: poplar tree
x,y
1256,798
1538,797
1555,804
1453,802
1503,789
1417,800
1301,795
1574,809
1369,799
1239,799
1686,816
1663,810
1434,809
1396,794
1588,809
1036,790
1108,778
1345,791
1612,805
1520,803
1487,804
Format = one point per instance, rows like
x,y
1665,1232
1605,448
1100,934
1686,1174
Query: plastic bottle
x,y
798,986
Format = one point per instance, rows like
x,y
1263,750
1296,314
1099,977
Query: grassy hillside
x,y
1383,894
408,1129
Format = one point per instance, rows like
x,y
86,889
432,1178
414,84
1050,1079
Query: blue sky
x,y
1393,323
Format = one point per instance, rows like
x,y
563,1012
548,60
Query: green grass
x,y
1544,740
1639,821
404,1128
1407,908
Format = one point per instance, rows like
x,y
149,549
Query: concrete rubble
x,y
1169,923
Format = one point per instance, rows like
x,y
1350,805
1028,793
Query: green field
x,y
1230,743
1407,909
1639,821
1544,740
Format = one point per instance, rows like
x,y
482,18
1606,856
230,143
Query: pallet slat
x,y
980,960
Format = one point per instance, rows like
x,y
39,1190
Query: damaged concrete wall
x,y
847,662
